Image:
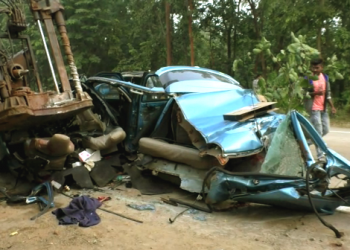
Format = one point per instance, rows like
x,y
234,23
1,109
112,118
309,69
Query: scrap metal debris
x,y
142,207
178,215
192,205
44,203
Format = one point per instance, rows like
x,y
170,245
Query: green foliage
x,y
288,73
242,38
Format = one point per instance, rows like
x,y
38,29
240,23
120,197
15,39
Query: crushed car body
x,y
200,136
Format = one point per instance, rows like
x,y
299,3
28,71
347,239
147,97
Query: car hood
x,y
199,86
205,112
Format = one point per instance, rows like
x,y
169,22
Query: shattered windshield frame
x,y
173,76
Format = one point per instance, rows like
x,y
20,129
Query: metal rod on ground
x,y
120,215
111,212
326,224
48,56
45,210
173,220
192,205
48,206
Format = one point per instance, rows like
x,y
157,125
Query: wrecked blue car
x,y
195,127
216,138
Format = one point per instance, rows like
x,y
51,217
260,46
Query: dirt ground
x,y
251,227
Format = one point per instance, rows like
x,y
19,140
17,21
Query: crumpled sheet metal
x,y
224,186
191,179
283,191
291,199
335,162
205,112
273,190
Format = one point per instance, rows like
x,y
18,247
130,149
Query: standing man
x,y
317,105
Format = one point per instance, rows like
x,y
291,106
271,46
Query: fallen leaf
x,y
13,233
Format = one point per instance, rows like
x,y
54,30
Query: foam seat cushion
x,y
176,153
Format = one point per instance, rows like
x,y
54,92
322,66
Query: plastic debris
x,y
142,207
122,178
89,165
90,155
77,164
199,198
56,185
103,198
83,156
192,211
95,156
200,217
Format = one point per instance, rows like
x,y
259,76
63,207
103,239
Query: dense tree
x,y
148,34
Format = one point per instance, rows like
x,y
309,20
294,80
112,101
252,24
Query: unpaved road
x,y
252,227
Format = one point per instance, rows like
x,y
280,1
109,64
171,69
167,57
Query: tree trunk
x,y
319,34
211,50
235,34
255,18
190,5
258,37
168,34
229,61
234,46
319,42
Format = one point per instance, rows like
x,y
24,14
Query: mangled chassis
x,y
271,189
288,191
237,151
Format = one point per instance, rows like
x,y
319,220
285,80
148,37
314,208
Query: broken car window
x,y
190,75
153,82
107,91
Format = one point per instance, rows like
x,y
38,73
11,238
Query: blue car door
x,y
151,106
145,103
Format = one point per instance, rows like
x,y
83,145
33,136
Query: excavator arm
x,y
20,105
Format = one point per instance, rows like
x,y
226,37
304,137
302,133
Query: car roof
x,y
173,68
133,73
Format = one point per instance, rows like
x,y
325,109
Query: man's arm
x,y
332,106
316,93
329,97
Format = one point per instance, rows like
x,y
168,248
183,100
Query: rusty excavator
x,y
23,101
38,116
